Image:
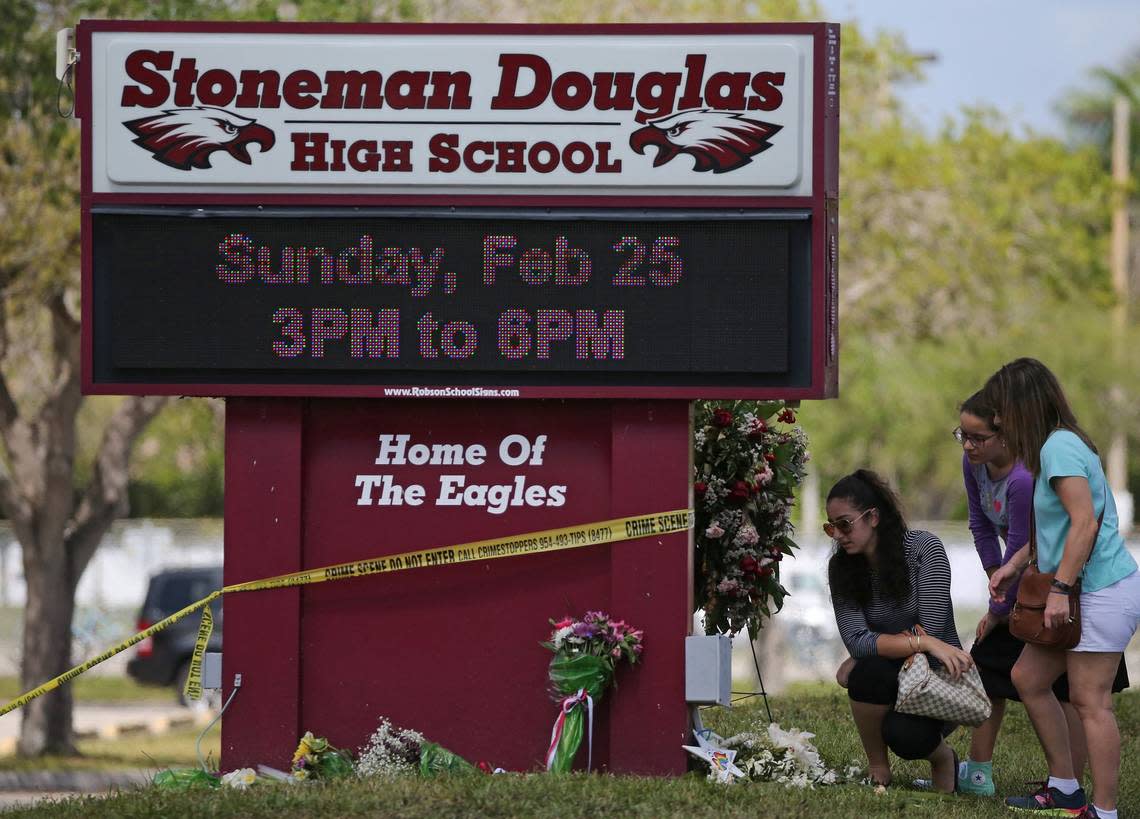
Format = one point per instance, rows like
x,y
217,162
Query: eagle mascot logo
x,y
184,138
719,141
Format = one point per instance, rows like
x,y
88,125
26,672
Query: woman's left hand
x,y
956,661
1056,610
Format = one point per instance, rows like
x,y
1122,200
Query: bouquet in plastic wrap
x,y
586,652
316,758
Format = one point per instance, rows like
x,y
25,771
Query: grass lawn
x,y
819,708
133,751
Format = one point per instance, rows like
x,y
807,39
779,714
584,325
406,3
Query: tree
x,y
58,527
1088,111
959,250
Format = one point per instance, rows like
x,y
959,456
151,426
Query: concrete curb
x,y
72,781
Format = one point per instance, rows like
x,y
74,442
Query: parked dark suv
x,y
164,658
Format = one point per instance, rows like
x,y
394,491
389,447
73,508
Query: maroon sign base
x,y
451,651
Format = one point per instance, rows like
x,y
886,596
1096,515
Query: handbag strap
x,y
1033,526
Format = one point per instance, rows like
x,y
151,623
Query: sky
x,y
1020,56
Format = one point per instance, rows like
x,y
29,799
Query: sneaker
x,y
1050,802
976,778
1088,813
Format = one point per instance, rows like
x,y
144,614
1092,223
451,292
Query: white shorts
x,y
1110,616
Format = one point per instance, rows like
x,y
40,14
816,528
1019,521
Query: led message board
x,y
653,300
575,211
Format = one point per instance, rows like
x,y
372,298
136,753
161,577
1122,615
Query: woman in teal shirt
x,y
1070,495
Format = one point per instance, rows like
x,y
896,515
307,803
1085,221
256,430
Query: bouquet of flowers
x,y
748,460
390,751
586,652
315,758
393,751
776,755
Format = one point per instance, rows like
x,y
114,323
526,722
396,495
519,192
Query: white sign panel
x,y
596,114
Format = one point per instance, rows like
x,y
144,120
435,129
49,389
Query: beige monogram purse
x,y
929,693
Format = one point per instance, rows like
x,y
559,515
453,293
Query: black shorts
x,y
996,655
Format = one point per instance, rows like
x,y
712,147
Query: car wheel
x,y
211,700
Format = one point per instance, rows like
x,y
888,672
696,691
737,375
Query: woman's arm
x,y
935,611
1074,493
861,641
933,592
982,528
1019,498
1076,497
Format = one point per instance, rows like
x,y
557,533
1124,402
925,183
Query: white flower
x,y
561,635
389,751
241,779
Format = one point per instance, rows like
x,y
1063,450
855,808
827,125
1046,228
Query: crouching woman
x,y
885,579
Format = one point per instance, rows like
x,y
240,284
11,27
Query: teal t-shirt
x,y
1066,455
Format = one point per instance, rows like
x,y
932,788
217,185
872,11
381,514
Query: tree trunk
x,y
58,538
47,721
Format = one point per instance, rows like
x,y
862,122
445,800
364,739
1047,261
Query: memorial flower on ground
x,y
586,652
316,758
390,751
773,754
748,460
240,779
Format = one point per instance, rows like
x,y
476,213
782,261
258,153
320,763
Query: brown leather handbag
x,y
1027,620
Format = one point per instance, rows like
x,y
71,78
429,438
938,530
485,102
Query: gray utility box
x,y
708,670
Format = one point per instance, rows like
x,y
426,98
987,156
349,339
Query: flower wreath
x,y
748,459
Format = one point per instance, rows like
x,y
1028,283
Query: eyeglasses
x,y
843,525
966,438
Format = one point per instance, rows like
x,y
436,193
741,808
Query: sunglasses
x,y
843,525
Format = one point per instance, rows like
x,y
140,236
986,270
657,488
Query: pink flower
x,y
729,586
747,536
563,623
714,531
764,477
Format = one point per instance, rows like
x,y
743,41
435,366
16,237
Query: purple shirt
x,y
998,510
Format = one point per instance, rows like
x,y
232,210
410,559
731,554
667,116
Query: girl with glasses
x,y
885,579
1078,538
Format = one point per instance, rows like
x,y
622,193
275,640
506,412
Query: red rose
x,y
722,417
786,416
739,494
700,488
770,457
748,564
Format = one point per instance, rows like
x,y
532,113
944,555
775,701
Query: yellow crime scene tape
x,y
549,540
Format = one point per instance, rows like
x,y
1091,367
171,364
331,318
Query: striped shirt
x,y
927,603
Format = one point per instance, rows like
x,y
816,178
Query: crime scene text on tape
x,y
550,540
